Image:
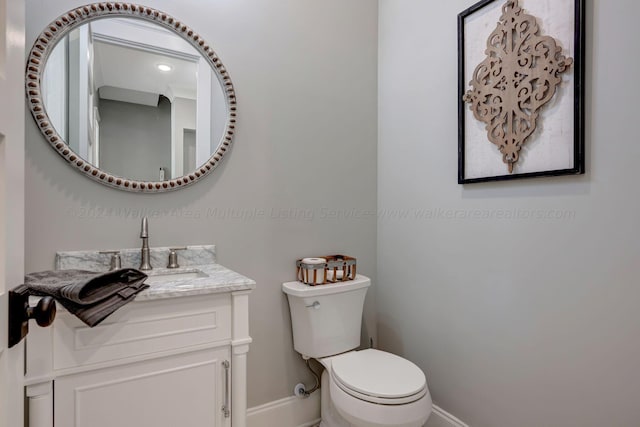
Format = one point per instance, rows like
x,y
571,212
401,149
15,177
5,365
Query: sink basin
x,y
173,276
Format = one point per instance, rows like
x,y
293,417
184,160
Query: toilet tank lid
x,y
299,289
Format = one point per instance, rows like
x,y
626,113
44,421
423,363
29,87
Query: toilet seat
x,y
378,377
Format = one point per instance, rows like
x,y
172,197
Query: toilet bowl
x,y
367,388
372,388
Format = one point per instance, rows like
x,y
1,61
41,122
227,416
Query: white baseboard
x,y
288,412
441,418
295,412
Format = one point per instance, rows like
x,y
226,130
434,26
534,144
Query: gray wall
x,y
299,181
135,140
522,322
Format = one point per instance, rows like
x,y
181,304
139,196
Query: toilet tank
x,y
326,319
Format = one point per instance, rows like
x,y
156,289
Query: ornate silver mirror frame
x,y
56,30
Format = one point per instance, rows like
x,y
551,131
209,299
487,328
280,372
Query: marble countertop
x,y
219,280
197,259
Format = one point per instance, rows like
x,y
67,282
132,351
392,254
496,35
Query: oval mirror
x,y
131,97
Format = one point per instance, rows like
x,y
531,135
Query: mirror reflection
x,y
134,99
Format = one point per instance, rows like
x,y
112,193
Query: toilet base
x,y
328,412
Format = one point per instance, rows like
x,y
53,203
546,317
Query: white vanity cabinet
x,y
181,390
157,362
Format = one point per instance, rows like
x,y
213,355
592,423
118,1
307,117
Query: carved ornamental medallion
x,y
517,78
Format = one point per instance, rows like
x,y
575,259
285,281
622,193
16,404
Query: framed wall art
x,y
521,90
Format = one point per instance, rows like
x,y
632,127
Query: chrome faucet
x,y
145,254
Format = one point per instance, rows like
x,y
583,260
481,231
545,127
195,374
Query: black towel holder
x,y
20,312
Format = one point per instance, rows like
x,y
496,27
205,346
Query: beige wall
x,y
304,156
517,322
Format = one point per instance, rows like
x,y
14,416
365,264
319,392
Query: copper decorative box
x,y
326,269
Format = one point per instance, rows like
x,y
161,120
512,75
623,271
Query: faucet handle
x,y
173,257
116,261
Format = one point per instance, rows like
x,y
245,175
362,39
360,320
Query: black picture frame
x,y
578,102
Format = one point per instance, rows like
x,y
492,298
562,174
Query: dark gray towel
x,y
91,296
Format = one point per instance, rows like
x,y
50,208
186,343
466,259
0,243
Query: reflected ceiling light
x,y
164,67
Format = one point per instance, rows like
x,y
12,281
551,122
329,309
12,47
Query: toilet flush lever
x,y
315,305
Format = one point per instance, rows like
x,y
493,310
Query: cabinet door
x,y
186,390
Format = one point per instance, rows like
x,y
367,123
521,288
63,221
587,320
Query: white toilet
x,y
367,388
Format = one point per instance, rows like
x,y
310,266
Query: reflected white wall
x,y
79,92
183,116
54,88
